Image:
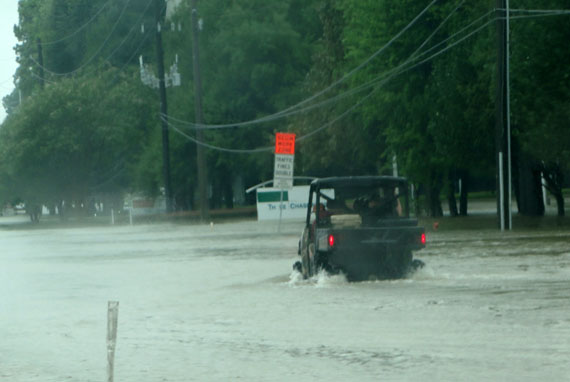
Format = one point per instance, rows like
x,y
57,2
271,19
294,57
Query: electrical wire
x,y
135,25
285,113
78,29
94,55
41,78
538,15
127,62
558,11
218,148
378,82
336,83
135,52
347,93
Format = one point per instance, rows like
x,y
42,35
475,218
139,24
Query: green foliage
x,y
253,58
77,138
541,84
86,125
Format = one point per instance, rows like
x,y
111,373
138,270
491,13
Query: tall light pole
x,y
200,158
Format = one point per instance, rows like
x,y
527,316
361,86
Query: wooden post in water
x,y
112,319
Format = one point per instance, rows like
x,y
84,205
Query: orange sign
x,y
285,143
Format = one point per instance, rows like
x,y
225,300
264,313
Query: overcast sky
x,y
8,18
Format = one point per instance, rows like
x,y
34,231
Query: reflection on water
x,y
222,303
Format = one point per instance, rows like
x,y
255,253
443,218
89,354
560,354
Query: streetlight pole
x,y
200,158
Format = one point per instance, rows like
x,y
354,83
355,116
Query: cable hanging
x,y
356,90
334,84
377,83
294,111
94,55
78,29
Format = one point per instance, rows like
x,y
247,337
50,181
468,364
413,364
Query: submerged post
x,y
112,319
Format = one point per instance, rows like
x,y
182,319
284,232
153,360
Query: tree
x,y
540,105
253,60
77,139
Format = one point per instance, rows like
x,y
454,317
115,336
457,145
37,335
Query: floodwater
x,y
202,303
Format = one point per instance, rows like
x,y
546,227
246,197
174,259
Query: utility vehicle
x,y
360,226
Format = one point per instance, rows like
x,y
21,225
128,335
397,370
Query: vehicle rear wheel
x,y
307,261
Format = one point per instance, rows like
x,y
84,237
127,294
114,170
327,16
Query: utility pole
x,y
163,107
502,118
200,159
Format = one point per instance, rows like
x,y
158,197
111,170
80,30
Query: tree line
x,y
363,83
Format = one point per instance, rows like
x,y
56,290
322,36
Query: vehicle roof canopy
x,y
345,181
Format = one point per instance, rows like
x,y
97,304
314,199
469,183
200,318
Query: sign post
x,y
112,318
284,163
284,160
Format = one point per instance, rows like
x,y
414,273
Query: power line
x,y
347,93
555,11
80,28
135,25
135,52
41,78
294,111
94,55
540,15
218,148
377,82
334,84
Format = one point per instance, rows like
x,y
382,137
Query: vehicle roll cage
x,y
353,181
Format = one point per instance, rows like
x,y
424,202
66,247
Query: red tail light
x,y
331,241
423,239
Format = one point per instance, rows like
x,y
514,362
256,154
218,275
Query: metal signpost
x,y
284,163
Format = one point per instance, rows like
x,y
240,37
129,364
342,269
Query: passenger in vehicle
x,y
376,207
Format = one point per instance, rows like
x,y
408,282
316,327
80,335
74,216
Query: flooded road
x,y
215,304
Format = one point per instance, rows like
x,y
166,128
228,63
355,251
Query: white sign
x,y
292,205
283,171
294,202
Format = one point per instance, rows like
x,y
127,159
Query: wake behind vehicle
x,y
360,226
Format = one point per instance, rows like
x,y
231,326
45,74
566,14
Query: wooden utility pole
x,y
159,8
200,158
502,119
